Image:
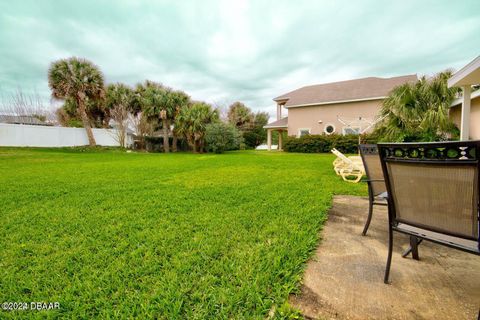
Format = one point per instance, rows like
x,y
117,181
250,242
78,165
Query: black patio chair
x,y
377,191
433,193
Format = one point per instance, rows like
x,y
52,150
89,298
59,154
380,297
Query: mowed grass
x,y
110,234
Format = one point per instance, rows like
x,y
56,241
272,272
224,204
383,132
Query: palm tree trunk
x,y
86,123
174,142
141,143
166,147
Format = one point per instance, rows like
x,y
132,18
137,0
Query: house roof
x,y
468,75
21,120
371,88
282,123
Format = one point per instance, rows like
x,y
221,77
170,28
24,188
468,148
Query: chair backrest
x,y
373,168
434,186
345,159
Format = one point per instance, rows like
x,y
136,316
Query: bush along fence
x,y
325,143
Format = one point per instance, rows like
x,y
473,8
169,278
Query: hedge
x,y
325,143
220,137
155,144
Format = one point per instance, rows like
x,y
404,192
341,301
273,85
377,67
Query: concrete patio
x,y
344,279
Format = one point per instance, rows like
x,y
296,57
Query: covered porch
x,y
280,126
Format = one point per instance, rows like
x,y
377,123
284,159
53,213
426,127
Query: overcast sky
x,y
223,51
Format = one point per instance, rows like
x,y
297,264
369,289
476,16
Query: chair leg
x,y
414,245
389,257
413,248
369,218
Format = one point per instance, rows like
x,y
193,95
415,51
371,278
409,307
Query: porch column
x,y
465,122
280,140
269,139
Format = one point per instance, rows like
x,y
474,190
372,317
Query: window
x,y
351,130
329,128
303,132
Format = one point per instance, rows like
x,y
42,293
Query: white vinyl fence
x,y
21,135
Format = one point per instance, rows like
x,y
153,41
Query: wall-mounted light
x,y
320,121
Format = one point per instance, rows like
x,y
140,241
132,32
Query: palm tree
x,y
119,94
418,111
157,104
192,121
98,115
180,100
79,80
240,115
120,100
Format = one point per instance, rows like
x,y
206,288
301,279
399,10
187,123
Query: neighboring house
x,y
339,107
465,111
21,120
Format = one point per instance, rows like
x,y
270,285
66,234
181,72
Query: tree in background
x,y
240,115
179,101
221,137
142,126
254,135
80,80
418,111
157,103
68,114
192,122
119,101
248,123
21,103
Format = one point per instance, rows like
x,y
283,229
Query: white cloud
x,y
222,51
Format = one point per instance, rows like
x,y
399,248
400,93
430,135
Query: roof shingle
x,y
282,123
21,120
358,89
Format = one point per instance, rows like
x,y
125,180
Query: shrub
x,y
418,111
220,137
369,138
254,134
155,144
323,143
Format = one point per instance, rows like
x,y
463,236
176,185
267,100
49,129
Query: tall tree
x,y
80,80
418,111
143,127
119,101
152,96
180,100
192,122
240,115
161,102
255,135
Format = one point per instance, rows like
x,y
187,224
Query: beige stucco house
x,y
465,111
474,116
339,107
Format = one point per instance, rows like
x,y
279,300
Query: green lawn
x,y
132,235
